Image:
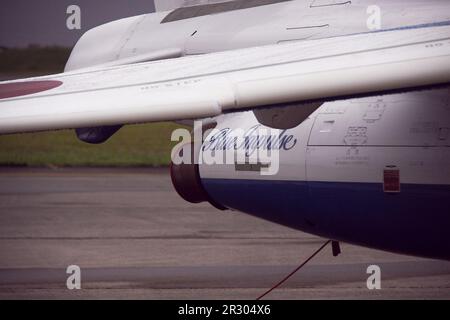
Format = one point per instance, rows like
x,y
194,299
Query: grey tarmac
x,y
134,238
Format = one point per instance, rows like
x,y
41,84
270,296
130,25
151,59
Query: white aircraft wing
x,y
208,85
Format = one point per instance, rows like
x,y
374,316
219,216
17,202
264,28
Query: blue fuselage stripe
x,y
414,221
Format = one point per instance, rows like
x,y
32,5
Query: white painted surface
x,y
408,135
204,86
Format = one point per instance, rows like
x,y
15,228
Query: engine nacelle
x,y
186,179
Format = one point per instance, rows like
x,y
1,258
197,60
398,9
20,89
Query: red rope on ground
x,y
293,272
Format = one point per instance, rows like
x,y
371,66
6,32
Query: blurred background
x,y
43,22
34,41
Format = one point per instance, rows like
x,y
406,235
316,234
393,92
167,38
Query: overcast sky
x,y
43,22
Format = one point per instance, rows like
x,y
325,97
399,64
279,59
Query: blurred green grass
x,y
138,146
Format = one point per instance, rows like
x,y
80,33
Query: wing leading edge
x,y
208,85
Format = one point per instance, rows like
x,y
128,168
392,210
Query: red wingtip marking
x,y
17,89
